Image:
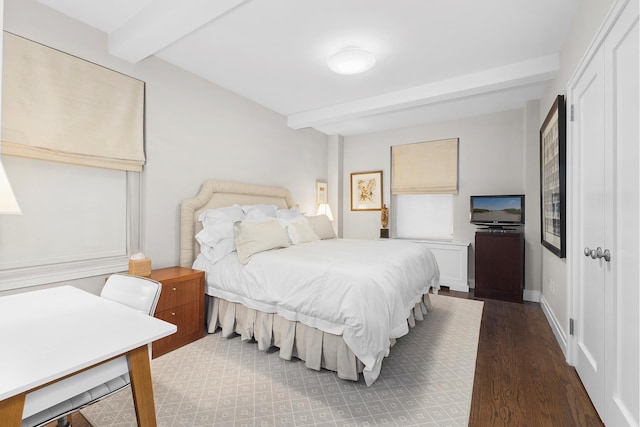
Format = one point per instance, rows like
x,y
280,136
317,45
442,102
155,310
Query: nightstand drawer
x,y
187,318
181,303
179,293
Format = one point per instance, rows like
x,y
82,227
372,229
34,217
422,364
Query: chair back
x,y
139,293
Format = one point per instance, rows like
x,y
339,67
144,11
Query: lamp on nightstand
x,y
324,209
8,202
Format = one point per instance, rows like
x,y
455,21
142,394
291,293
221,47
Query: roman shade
x,y
61,108
425,167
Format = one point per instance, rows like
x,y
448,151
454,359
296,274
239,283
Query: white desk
x,y
34,327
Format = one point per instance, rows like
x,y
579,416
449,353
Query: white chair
x,y
136,292
58,400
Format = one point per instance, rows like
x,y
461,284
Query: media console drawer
x,y
499,265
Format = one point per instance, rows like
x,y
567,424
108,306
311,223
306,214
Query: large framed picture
x,y
553,150
366,191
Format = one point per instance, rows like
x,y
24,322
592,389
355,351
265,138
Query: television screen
x,y
497,210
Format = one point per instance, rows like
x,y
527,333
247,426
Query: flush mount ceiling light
x,y
351,60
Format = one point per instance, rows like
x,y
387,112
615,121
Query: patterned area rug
x,y
426,381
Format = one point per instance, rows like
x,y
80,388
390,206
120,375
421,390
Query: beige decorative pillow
x,y
322,226
254,237
301,232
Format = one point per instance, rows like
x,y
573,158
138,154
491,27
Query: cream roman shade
x,y
425,167
61,108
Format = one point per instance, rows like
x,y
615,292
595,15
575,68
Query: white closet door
x,y
605,193
588,105
622,278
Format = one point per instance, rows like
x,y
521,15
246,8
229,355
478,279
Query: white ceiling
x,y
436,59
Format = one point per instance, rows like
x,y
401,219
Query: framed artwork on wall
x,y
366,191
553,150
321,193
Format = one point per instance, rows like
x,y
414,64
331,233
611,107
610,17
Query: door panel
x,y
606,214
589,131
622,388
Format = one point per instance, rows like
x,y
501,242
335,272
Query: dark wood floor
x,y
521,377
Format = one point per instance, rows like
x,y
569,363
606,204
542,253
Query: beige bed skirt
x,y
316,348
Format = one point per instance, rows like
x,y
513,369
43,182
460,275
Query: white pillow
x,y
322,226
259,212
301,232
253,237
215,253
217,224
289,215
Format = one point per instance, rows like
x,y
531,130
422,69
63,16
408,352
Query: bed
x,y
337,304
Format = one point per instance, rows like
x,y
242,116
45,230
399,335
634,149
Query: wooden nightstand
x,y
181,303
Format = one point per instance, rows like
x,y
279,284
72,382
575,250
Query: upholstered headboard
x,y
217,194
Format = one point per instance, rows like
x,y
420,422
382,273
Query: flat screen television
x,y
497,211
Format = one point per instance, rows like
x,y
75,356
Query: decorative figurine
x,y
384,216
384,219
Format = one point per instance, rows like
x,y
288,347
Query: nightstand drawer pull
x,y
174,288
173,313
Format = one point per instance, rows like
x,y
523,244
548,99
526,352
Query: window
x,y
427,216
76,222
424,178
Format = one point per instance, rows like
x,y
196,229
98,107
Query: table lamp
x,y
8,202
324,209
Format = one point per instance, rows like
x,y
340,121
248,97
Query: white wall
x,y
586,22
494,158
532,235
335,181
194,131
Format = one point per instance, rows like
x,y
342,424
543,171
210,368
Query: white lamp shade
x,y
8,202
351,61
324,209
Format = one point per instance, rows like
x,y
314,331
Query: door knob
x,y
606,254
598,253
591,252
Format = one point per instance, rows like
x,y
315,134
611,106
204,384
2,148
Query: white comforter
x,y
360,289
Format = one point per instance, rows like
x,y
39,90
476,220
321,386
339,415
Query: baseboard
x,y
555,325
527,295
455,285
533,296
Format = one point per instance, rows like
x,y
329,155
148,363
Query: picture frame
x,y
321,193
553,149
366,191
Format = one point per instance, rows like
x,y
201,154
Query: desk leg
x,y
140,373
11,410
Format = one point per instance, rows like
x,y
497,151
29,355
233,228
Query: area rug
x,y
427,380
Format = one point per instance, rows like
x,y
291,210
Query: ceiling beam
x,y
163,22
509,76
